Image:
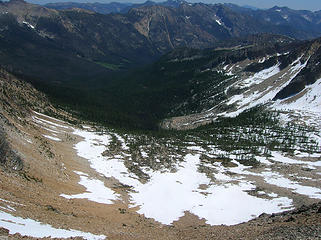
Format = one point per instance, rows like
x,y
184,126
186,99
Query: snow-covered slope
x,y
292,81
96,183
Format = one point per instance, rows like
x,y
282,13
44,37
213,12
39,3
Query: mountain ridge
x,y
95,152
83,52
59,186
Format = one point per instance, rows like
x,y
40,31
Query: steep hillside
x,y
253,77
112,7
16,100
181,83
246,166
58,42
308,76
188,81
103,8
38,39
66,180
307,23
294,23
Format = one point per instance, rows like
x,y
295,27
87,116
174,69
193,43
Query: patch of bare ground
x,y
38,186
49,165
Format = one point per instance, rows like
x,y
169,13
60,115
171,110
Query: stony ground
x,y
51,167
49,171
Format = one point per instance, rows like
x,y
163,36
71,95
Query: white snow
x,y
277,179
250,99
28,140
307,18
272,195
32,228
28,24
196,148
172,193
11,202
123,143
95,191
50,130
144,154
8,208
175,193
46,116
280,181
167,195
92,148
263,160
52,138
310,101
259,77
48,123
280,158
230,204
304,154
219,22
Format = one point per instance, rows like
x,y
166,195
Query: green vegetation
x,y
256,132
141,98
110,66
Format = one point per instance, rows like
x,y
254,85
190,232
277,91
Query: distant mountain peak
x,y
279,8
176,1
149,2
250,7
17,1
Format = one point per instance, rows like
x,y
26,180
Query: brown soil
x,y
37,187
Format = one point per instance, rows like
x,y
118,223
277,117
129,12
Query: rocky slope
x,y
16,99
253,78
234,178
92,182
103,8
94,43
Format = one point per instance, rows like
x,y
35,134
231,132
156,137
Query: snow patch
x,y
46,122
176,192
52,138
219,22
280,181
28,24
280,158
51,118
261,76
95,191
310,101
32,228
250,99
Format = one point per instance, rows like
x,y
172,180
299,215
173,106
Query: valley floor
x,y
92,183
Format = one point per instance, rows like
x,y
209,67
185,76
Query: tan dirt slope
x,y
48,168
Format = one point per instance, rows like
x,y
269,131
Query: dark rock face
x,y
143,34
9,159
309,75
301,223
279,20
103,8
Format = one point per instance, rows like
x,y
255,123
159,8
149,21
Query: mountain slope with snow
x,y
277,78
93,182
